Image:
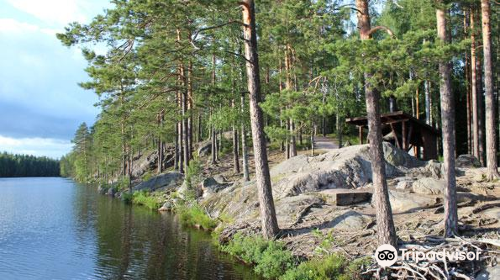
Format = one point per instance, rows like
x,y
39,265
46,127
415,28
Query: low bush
x,y
194,215
127,197
330,267
145,199
146,176
271,258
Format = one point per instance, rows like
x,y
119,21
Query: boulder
x,y
143,164
467,161
167,206
291,165
238,201
429,186
403,201
170,180
204,148
102,189
348,168
349,221
493,213
111,192
213,185
404,183
290,210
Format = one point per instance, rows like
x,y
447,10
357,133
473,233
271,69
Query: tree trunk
x,y
448,128
160,155
293,145
339,129
185,132
474,95
289,85
313,128
480,110
190,109
468,85
244,149
263,178
491,146
176,155
213,134
236,159
385,224
427,89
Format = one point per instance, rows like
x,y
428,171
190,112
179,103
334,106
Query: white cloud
x,y
60,12
10,26
50,147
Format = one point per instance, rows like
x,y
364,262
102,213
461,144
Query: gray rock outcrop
x,y
467,161
204,149
429,186
170,180
348,167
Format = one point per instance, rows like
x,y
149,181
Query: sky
x,y
41,104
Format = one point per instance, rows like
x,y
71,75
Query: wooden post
x,y
395,136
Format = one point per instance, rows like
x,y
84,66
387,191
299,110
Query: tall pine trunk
x,y
474,87
244,149
480,109
385,224
448,128
491,145
213,134
262,176
190,109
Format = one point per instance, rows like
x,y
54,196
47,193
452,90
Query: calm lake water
x,y
52,228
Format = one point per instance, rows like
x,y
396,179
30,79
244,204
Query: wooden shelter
x,y
405,132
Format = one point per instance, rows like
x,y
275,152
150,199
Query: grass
x,y
270,258
143,198
195,216
330,267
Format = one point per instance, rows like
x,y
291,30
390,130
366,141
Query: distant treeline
x,y
27,166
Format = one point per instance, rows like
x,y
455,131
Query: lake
x,y
53,228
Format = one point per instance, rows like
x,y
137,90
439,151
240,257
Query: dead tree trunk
x,y
385,224
448,128
262,176
491,146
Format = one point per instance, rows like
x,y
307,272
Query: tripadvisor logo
x,y
386,255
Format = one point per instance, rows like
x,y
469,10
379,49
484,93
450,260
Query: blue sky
x,y
41,104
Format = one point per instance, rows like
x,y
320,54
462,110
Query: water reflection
x,y
76,233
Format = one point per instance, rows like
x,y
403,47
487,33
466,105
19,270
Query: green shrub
x,y
330,267
145,199
123,183
271,258
146,176
274,261
355,268
194,215
127,197
193,178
